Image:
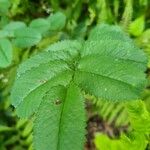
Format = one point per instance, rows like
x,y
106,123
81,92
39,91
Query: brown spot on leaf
x,y
43,81
58,102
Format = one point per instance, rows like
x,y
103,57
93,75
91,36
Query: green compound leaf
x,y
5,53
108,65
60,122
26,37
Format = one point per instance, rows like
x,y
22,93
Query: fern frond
x,y
114,113
137,139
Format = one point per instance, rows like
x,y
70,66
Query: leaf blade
x,y
111,64
5,52
61,121
26,37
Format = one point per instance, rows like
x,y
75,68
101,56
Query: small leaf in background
x,y
4,5
41,25
26,37
5,53
57,21
12,26
137,26
4,34
4,20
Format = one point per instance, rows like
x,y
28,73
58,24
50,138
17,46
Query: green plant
x,y
137,138
113,113
18,34
17,40
4,5
52,84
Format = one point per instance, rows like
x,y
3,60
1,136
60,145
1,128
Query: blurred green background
x,y
133,16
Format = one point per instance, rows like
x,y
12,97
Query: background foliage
x,y
75,22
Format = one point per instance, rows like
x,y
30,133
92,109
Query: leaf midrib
x,y
60,122
112,56
50,80
120,81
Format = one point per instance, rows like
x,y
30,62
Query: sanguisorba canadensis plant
x,y
52,84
